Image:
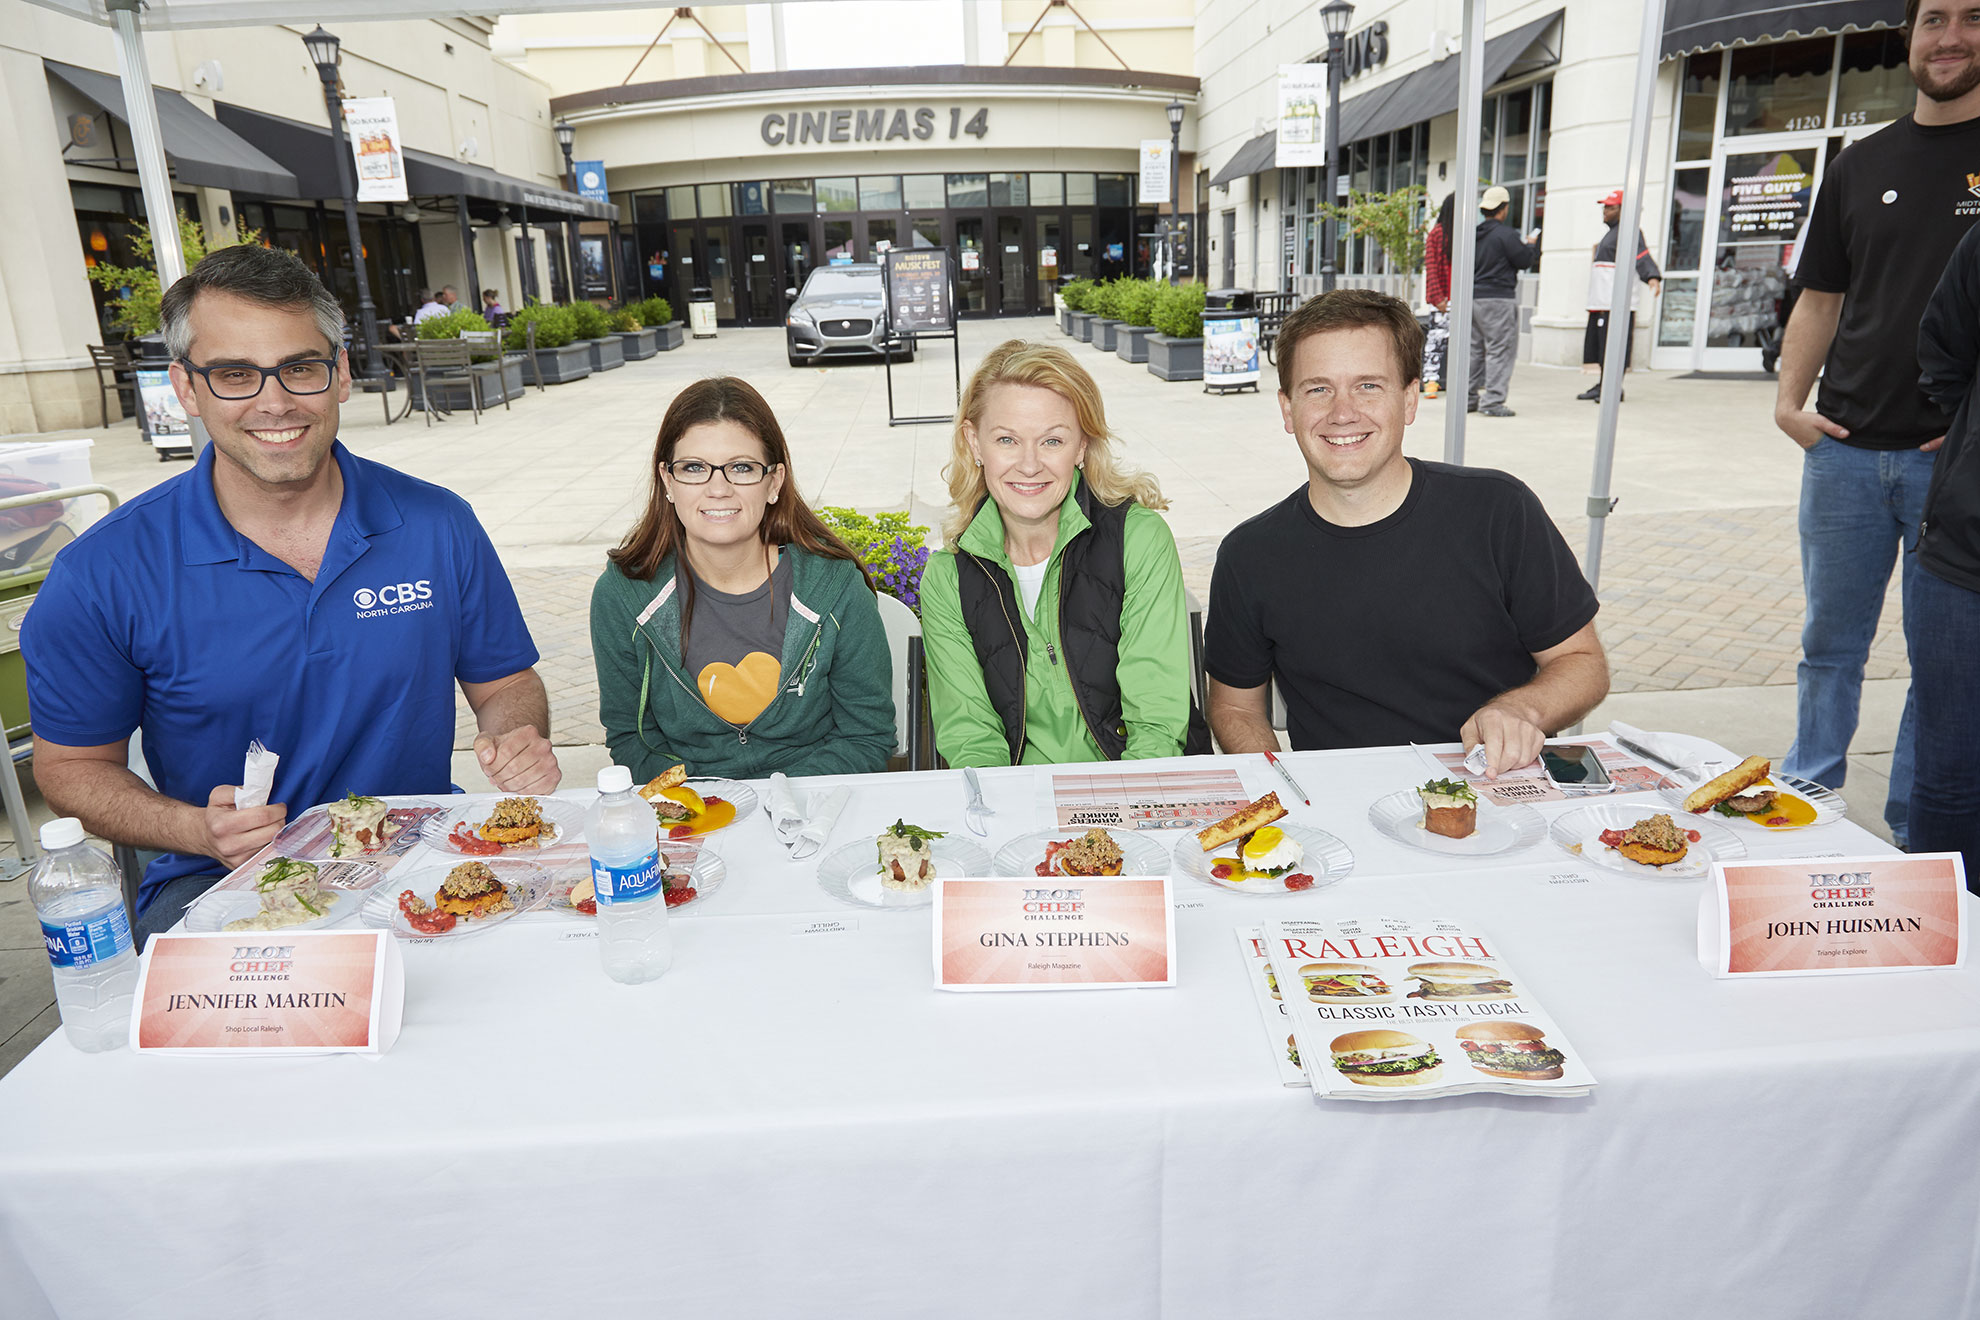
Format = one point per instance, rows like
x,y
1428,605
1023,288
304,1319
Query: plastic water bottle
x,y
77,896
634,941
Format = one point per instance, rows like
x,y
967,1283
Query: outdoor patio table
x,y
798,1124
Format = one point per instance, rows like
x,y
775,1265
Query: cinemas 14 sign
x,y
881,124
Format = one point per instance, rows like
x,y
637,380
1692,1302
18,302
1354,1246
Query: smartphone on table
x,y
1574,768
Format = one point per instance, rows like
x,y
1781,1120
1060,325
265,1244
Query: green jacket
x,y
834,709
1154,652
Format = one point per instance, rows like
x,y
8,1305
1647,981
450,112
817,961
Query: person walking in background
x,y
1890,211
1602,287
1437,292
1502,255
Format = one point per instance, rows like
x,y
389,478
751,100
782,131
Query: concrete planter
x,y
1082,326
1175,359
451,392
638,345
561,365
1103,333
1131,342
669,336
606,354
1065,318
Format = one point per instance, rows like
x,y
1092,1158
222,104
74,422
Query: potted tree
x,y
1176,352
558,359
593,325
1135,305
657,315
451,392
1104,303
1079,321
635,341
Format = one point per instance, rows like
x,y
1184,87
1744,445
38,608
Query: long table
x,y
796,1124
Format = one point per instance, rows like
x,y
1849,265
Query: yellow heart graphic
x,y
738,693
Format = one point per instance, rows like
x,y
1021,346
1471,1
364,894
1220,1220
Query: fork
x,y
978,814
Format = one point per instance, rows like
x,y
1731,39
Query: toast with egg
x,y
1262,812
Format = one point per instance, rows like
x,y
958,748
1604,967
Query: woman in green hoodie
x,y
733,632
1055,623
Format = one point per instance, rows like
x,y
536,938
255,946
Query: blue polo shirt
x,y
164,618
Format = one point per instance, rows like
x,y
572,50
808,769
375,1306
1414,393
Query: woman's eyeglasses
x,y
694,472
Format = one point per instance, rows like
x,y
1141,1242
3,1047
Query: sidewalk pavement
x,y
1700,582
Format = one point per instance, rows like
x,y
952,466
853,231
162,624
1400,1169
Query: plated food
x,y
290,895
1450,808
1264,851
1752,793
1386,1058
497,825
855,874
359,826
1270,860
907,855
1475,982
1631,840
454,898
1050,852
683,810
1092,853
677,887
1500,1048
1653,841
1344,982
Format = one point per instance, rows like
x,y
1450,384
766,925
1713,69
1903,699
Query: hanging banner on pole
x,y
1155,165
372,124
591,181
1302,116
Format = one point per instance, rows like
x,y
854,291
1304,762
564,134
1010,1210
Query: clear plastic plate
x,y
308,836
1580,832
1140,854
563,822
1501,829
1827,803
852,874
1327,860
709,871
732,791
525,881
344,885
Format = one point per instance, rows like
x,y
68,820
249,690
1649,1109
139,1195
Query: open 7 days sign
x,y
876,124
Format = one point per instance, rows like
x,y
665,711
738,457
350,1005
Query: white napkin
x,y
786,813
823,817
1650,742
257,776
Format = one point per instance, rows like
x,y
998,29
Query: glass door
x,y
1050,232
972,280
763,289
684,271
796,248
720,276
1013,267
1760,199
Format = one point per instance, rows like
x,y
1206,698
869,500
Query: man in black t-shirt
x,y
1888,215
1394,600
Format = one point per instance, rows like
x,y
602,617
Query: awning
x,y
1694,25
309,151
1415,97
202,151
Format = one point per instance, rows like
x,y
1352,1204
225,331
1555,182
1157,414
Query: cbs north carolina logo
x,y
393,598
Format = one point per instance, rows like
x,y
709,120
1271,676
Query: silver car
x,y
841,311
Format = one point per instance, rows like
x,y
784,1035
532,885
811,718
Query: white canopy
x,y
255,13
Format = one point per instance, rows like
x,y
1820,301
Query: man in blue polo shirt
x,y
285,590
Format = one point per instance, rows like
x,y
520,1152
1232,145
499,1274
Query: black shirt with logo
x,y
1398,631
1888,215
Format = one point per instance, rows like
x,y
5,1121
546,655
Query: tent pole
x,y
1464,223
1613,351
141,113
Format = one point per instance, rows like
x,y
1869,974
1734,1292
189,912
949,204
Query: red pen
x,y
1287,776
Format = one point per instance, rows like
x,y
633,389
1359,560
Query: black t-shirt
x,y
1398,631
1888,215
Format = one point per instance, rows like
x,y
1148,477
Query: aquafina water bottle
x,y
77,896
634,941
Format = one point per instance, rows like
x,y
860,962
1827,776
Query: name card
x,y
1818,915
1063,933
303,992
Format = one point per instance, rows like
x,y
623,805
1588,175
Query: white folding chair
x,y
904,641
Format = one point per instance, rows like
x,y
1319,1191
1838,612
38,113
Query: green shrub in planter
x,y
626,319
1179,311
1105,300
1135,303
653,311
452,324
1076,293
553,327
589,320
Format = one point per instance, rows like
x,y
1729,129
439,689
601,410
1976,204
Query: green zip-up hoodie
x,y
1154,654
833,713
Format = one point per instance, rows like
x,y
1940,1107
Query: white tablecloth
x,y
796,1125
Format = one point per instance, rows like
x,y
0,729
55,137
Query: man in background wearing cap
x,y
1602,284
1502,255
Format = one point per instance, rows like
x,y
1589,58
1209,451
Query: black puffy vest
x,y
1092,588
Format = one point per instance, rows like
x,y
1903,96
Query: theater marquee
x,y
881,124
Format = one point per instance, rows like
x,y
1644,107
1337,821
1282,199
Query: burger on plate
x,y
1386,1058
1509,1049
1459,980
1336,982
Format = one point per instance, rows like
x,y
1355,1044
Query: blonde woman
x,y
1054,620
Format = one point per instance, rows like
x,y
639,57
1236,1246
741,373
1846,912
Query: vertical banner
x,y
591,180
1155,166
1230,351
1302,116
372,123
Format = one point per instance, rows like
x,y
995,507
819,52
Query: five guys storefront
x,y
740,184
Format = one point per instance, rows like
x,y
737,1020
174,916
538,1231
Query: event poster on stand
x,y
372,122
161,416
918,290
1230,351
1390,1008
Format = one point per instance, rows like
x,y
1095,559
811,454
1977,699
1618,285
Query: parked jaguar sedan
x,y
841,312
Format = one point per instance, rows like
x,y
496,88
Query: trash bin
x,y
701,313
1229,300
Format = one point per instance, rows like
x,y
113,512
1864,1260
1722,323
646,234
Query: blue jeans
x,y
1945,815
1858,506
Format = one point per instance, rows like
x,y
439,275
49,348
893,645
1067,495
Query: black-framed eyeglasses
x,y
244,380
694,472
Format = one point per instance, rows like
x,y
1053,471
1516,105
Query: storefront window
x,y
1048,190
714,198
753,198
1113,190
1688,221
837,195
1677,311
1517,122
1516,127
1874,85
1780,88
680,202
1009,190
883,233
1698,106
1079,190
880,192
649,208
923,192
1543,121
791,196
927,231
969,190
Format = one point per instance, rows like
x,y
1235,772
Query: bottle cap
x,y
65,832
614,779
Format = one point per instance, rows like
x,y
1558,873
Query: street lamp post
x,y
1175,109
1335,17
566,137
322,47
